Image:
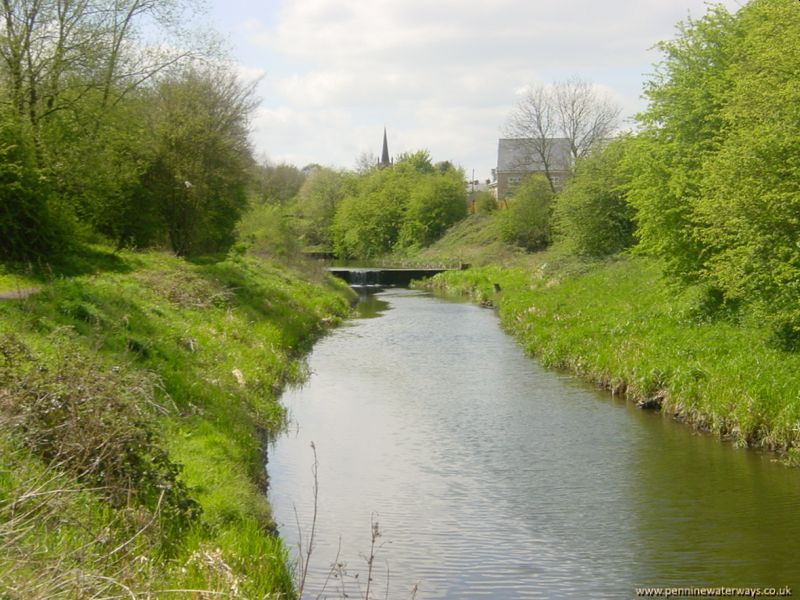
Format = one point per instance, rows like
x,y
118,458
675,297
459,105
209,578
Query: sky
x,y
439,75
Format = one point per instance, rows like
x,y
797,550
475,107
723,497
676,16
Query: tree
x,y
748,212
73,74
316,204
407,205
202,159
28,229
366,162
435,203
56,53
419,161
278,183
680,129
573,110
526,222
592,216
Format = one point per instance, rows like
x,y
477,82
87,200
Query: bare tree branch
x,y
572,110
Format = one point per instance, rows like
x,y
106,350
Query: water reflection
x,y
493,478
370,304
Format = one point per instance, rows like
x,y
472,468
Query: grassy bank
x,y
133,404
619,324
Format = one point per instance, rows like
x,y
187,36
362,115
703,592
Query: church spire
x,y
385,162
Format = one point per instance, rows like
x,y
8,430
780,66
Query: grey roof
x,y
519,155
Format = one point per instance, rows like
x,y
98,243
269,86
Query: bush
x,y
526,223
592,216
485,202
27,227
93,422
268,229
436,202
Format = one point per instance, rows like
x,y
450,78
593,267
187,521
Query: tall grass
x,y
134,402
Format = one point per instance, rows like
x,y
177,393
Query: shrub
x,y
94,422
526,223
591,214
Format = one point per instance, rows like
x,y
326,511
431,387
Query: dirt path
x,y
18,294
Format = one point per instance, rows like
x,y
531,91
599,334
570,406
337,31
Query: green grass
x,y
150,355
619,324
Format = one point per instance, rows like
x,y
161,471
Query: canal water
x,y
490,477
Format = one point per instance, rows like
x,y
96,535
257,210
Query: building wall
x,y
508,181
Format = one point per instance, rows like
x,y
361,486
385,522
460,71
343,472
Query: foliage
x,y
419,161
28,227
111,380
278,183
714,171
749,212
368,224
434,204
680,127
409,205
591,214
268,229
316,202
484,202
526,223
201,162
72,74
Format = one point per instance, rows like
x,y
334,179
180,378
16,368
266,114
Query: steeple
x,y
385,162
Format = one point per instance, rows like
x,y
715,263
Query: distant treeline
x,y
356,215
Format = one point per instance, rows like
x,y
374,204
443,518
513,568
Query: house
x,y
519,158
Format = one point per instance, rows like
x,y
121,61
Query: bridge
x,y
361,276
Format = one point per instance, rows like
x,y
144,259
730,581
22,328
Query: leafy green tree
x,y
56,54
202,159
408,205
316,204
679,129
527,221
366,226
278,183
73,75
591,214
28,227
268,229
419,161
435,203
750,208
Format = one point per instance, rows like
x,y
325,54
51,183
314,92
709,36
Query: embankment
x,y
133,402
619,324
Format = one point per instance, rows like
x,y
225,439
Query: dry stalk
x,y
304,561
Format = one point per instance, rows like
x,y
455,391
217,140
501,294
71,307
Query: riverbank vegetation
x,y
619,323
673,274
134,404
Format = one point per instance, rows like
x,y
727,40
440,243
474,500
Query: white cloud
x,y
440,75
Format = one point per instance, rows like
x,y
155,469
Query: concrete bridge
x,y
359,276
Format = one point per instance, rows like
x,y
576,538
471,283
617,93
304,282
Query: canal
x,y
490,477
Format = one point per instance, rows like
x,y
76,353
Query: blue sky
x,y
441,75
